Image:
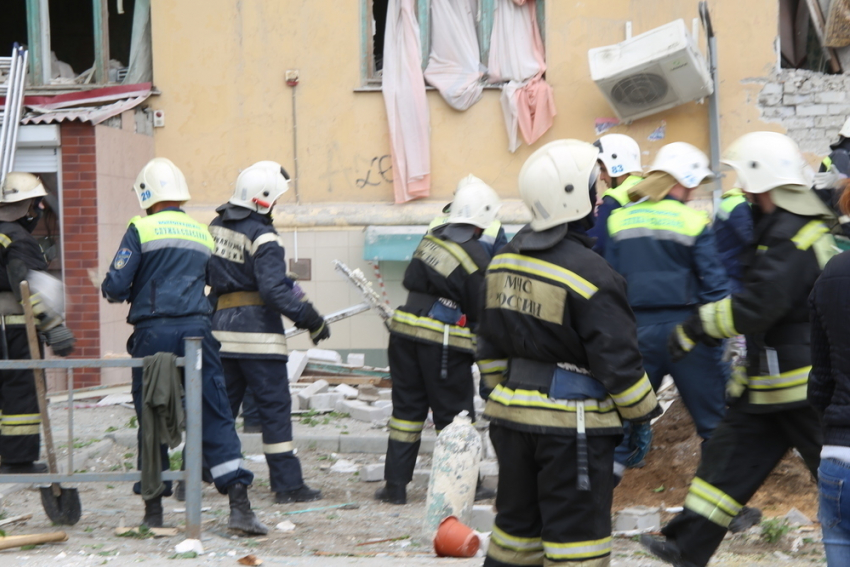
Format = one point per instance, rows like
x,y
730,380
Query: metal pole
x,y
194,384
713,104
5,131
70,374
295,148
19,106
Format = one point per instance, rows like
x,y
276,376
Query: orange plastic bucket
x,y
455,539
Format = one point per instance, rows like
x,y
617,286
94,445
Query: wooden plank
x,y
819,24
100,13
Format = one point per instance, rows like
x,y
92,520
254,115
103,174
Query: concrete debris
x,y
188,545
349,392
296,364
421,478
368,393
251,560
356,359
372,473
317,387
383,404
362,411
795,517
116,399
638,518
385,394
325,401
483,518
323,355
344,466
285,526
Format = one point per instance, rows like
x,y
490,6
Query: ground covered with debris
x,y
364,532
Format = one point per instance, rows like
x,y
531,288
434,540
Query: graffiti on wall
x,y
380,171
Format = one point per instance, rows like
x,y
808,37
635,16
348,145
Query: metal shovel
x,y
62,505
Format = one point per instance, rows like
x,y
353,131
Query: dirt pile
x,y
671,465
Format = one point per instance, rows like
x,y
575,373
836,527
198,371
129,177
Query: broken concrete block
x,y
487,468
349,392
362,411
385,393
795,517
344,466
295,365
483,518
317,387
296,402
421,477
325,401
323,355
638,518
355,359
372,473
383,404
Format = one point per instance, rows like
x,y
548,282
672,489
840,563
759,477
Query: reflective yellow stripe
x,y
275,448
782,396
492,365
665,220
536,399
711,503
579,549
642,408
785,380
633,394
513,557
5,241
457,251
684,339
809,234
717,319
516,543
251,343
21,419
827,162
405,436
431,330
172,225
546,270
492,231
11,430
519,409
404,425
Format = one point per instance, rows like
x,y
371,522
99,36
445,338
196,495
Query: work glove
x,y
321,333
640,441
60,339
737,383
685,337
828,179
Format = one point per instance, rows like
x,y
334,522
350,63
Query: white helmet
x,y
259,186
555,182
765,160
160,180
619,153
845,129
686,163
474,203
19,186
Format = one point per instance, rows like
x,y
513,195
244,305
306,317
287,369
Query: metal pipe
x,y
7,106
713,104
78,363
295,148
19,107
47,478
8,116
70,376
194,439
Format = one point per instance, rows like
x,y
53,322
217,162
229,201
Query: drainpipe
x,y
713,104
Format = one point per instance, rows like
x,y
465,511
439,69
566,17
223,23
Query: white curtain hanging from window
x,y
141,61
407,107
517,59
454,66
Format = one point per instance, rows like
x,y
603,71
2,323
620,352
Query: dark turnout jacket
x,y
829,381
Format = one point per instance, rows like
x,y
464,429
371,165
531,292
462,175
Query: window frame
x,y
484,30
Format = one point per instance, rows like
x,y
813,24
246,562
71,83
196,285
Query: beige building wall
x,y
220,66
120,154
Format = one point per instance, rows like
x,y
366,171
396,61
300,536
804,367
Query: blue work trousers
x,y
834,512
267,380
222,449
700,378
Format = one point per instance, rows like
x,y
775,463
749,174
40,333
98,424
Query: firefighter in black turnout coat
x,y
432,335
557,317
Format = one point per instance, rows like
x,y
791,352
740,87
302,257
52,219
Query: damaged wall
x,y
227,106
810,106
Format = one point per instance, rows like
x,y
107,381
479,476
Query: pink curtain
x,y
518,60
407,107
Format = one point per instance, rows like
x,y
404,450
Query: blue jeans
x,y
834,512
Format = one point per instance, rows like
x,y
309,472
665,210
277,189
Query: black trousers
x,y
415,369
268,381
737,460
19,416
542,516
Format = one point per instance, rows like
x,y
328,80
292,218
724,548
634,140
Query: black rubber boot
x,y
23,468
746,518
483,493
392,493
665,551
242,518
180,491
153,513
303,494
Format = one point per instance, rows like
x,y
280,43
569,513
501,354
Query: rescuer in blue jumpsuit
x,y
160,269
733,226
247,274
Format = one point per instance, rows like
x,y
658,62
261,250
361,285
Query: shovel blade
x,y
64,509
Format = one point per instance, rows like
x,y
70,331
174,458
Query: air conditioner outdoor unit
x,y
651,72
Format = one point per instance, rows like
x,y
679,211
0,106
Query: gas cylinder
x,y
454,474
